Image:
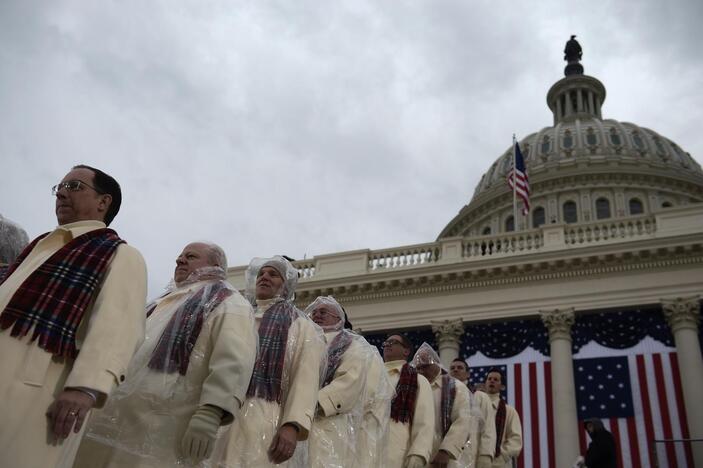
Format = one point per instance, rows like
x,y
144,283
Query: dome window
x,y
568,140
637,140
636,206
602,208
538,217
510,224
569,212
546,145
615,137
660,147
591,138
486,231
667,204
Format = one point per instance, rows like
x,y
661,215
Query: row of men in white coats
x,y
202,376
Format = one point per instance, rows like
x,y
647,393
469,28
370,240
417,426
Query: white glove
x,y
414,461
199,438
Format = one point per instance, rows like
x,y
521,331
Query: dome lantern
x,y
576,95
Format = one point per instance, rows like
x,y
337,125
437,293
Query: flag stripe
x,y
680,405
634,445
517,380
615,430
536,449
660,390
550,414
646,409
637,399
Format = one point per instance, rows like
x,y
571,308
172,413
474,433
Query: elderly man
x,y
333,439
282,395
452,408
72,313
501,439
187,378
412,408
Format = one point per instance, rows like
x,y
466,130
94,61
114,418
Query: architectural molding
x,y
682,312
448,331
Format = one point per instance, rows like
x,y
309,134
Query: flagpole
x,y
515,228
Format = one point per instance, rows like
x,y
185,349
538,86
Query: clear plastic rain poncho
x,y
12,240
452,405
334,439
145,418
287,374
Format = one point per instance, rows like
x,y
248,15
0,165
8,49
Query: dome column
x,y
448,334
682,315
559,323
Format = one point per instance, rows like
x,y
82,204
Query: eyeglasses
x,y
72,186
391,343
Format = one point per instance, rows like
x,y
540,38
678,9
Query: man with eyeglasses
x,y
338,421
71,315
412,408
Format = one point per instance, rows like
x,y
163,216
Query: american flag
x,y
519,173
636,392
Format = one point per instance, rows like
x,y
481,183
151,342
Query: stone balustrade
x,y
549,237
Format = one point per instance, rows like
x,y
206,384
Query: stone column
x,y
448,334
683,317
566,442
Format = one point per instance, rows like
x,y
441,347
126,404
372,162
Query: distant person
x,y
602,452
501,439
187,379
452,409
412,409
72,314
459,369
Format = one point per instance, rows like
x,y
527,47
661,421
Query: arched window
x,y
568,140
615,137
538,217
510,224
602,208
546,145
637,140
569,212
591,139
486,231
636,206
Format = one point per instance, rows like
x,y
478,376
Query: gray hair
x,y
12,240
217,255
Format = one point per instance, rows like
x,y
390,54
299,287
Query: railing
x,y
611,229
519,242
666,452
421,254
306,268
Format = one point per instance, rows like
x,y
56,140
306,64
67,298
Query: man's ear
x,y
105,202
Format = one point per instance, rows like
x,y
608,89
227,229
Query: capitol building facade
x,y
591,303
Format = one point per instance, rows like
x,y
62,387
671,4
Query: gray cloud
x,y
310,127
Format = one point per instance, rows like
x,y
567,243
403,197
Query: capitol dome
x,y
582,169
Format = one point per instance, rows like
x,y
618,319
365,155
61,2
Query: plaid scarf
x,y
267,378
403,403
448,395
335,350
500,424
54,298
172,352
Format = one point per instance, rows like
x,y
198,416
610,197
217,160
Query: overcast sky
x,y
311,127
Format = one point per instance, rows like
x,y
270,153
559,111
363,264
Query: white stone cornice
x,y
558,322
448,331
682,312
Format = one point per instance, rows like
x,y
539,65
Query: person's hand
x,y
201,433
283,444
441,459
414,461
68,411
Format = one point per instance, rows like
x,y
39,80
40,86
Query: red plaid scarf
x,y
403,403
172,352
500,424
448,395
267,377
54,298
335,350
